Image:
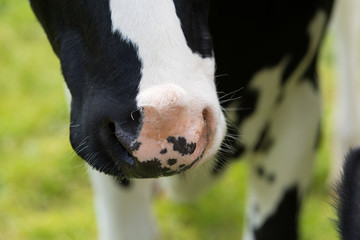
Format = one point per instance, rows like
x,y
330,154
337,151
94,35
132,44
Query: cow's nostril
x,y
136,115
120,134
116,140
205,115
125,130
111,127
208,119
116,135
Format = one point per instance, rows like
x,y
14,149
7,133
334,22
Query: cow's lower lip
x,y
117,161
131,167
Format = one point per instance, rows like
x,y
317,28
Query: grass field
x,y
44,190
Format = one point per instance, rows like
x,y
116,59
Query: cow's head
x,y
141,77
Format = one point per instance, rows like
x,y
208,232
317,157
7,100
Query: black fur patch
x,y
311,74
264,142
271,177
163,151
282,225
101,70
249,101
348,204
193,18
262,173
153,169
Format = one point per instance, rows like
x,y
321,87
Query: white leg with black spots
x,y
123,213
288,163
282,162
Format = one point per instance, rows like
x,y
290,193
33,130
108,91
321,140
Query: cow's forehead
x,y
163,21
167,23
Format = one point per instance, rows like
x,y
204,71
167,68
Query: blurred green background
x,y
44,189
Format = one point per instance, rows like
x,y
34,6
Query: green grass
x,y
44,190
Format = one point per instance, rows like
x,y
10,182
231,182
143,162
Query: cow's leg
x,y
281,165
123,212
347,111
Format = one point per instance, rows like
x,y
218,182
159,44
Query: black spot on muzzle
x,y
180,145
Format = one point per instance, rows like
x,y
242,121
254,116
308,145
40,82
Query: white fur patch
x,y
154,28
164,96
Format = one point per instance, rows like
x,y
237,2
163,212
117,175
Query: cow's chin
x,y
116,160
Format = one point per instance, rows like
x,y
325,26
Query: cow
x,y
175,90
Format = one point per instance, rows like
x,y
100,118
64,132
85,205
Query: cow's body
x,y
144,104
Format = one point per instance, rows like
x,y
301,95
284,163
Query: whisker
x,y
222,75
230,100
230,93
234,109
82,149
81,144
235,137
